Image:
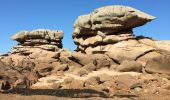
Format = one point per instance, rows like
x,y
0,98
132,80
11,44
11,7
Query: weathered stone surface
x,y
44,69
53,35
110,18
99,30
102,61
147,41
92,81
90,67
83,59
68,60
35,56
160,64
105,77
128,51
75,84
125,81
98,60
81,72
98,40
150,55
165,45
47,82
62,67
127,66
14,77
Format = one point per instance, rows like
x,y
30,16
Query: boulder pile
x,y
108,58
35,56
35,46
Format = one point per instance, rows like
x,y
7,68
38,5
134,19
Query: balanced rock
x,y
110,19
41,34
40,38
107,25
108,31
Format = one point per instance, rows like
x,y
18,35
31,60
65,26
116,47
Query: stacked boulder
x,y
45,39
106,26
109,30
37,46
35,56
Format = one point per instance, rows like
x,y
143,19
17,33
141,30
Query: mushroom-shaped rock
x,y
110,19
107,26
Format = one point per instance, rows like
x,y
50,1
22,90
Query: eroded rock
x,y
109,57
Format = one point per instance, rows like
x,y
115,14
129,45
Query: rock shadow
x,y
71,93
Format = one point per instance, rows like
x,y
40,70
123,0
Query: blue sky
x,y
16,15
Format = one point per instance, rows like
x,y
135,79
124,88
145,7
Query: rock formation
x,y
105,26
35,55
109,57
45,39
109,30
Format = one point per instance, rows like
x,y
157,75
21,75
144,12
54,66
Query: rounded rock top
x,y
110,18
38,34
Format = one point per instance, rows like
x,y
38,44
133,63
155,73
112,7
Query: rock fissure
x,y
145,53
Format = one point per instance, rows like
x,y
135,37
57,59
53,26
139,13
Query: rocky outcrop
x,y
35,56
41,38
34,47
105,26
108,31
109,57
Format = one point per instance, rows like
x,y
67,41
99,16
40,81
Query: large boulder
x,y
128,66
160,64
127,50
110,19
